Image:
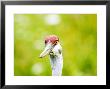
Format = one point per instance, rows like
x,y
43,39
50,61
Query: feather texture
x,y
56,60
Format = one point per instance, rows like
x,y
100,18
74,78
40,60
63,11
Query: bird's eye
x,y
56,42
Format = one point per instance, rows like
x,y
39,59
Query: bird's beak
x,y
47,50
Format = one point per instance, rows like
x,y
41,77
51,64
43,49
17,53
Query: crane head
x,y
50,42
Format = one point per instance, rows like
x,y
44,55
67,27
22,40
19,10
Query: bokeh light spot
x,y
52,19
37,68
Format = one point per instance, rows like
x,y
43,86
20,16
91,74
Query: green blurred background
x,y
78,38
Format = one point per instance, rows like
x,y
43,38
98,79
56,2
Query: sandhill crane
x,y
54,49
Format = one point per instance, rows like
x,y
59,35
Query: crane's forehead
x,y
51,38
